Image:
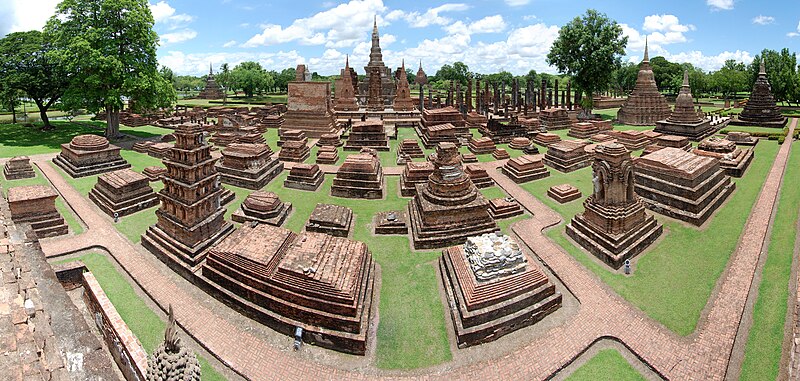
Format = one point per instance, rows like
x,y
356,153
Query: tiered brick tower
x,y
761,109
384,81
402,100
191,218
375,100
345,96
645,105
448,208
685,120
614,226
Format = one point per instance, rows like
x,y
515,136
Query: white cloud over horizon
x,y
720,4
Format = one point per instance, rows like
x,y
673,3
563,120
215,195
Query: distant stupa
x,y
645,105
212,90
761,109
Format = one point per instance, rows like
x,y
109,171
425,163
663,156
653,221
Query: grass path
x,y
607,364
764,343
675,277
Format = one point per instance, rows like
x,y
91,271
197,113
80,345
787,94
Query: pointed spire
x,y
761,68
347,62
375,25
646,55
210,69
420,64
686,78
404,64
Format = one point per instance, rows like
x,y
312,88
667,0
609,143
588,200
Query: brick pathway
x,y
602,313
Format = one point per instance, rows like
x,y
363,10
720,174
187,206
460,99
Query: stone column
x,y
569,96
421,98
555,91
478,97
468,99
543,95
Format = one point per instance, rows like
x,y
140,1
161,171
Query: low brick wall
x,y
123,345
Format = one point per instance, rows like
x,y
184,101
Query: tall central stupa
x,y
376,62
645,105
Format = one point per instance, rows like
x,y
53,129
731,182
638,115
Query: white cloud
x,y
663,30
665,23
490,24
709,63
794,34
178,37
430,17
229,44
517,3
197,63
763,20
720,4
164,14
24,15
326,27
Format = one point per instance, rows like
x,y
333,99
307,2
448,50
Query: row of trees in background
x,y
93,55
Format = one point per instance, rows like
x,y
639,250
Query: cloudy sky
x,y
488,35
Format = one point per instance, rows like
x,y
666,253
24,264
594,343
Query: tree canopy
x,y
110,45
589,48
28,64
457,72
251,77
781,72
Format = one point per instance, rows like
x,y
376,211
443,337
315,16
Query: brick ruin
x,y
439,133
685,120
664,141
263,207
500,154
36,205
682,185
554,119
329,140
582,130
191,218
123,192
519,143
633,140
18,167
212,89
475,120
481,146
330,219
360,176
564,193
503,131
345,92
88,155
327,155
294,146
415,172
285,280
504,207
525,168
370,134
391,222
250,166
741,138
645,105
304,177
733,159
614,225
402,100
442,116
568,155
309,109
545,139
468,157
479,176
154,173
493,289
448,208
407,150
761,109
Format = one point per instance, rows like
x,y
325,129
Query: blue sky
x,y
488,35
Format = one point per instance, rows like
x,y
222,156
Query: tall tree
x,y
589,48
111,46
730,79
250,77
458,72
286,76
28,63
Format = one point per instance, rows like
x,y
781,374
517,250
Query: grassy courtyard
x,y
764,344
142,321
75,226
607,364
675,277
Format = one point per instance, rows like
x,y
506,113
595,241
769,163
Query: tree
x,y
781,72
458,72
9,100
111,48
588,48
225,80
250,77
668,75
623,79
500,78
286,76
29,64
730,79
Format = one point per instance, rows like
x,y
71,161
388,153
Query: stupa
x,y
448,208
645,106
386,86
370,134
493,289
344,94
263,207
36,205
18,167
87,155
402,100
212,90
685,120
123,192
250,166
614,225
360,176
761,109
314,281
191,218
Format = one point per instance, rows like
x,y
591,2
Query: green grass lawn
x,y
607,364
675,277
764,344
16,139
752,129
145,131
141,320
69,217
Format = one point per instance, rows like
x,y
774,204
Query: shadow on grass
x,y
16,139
